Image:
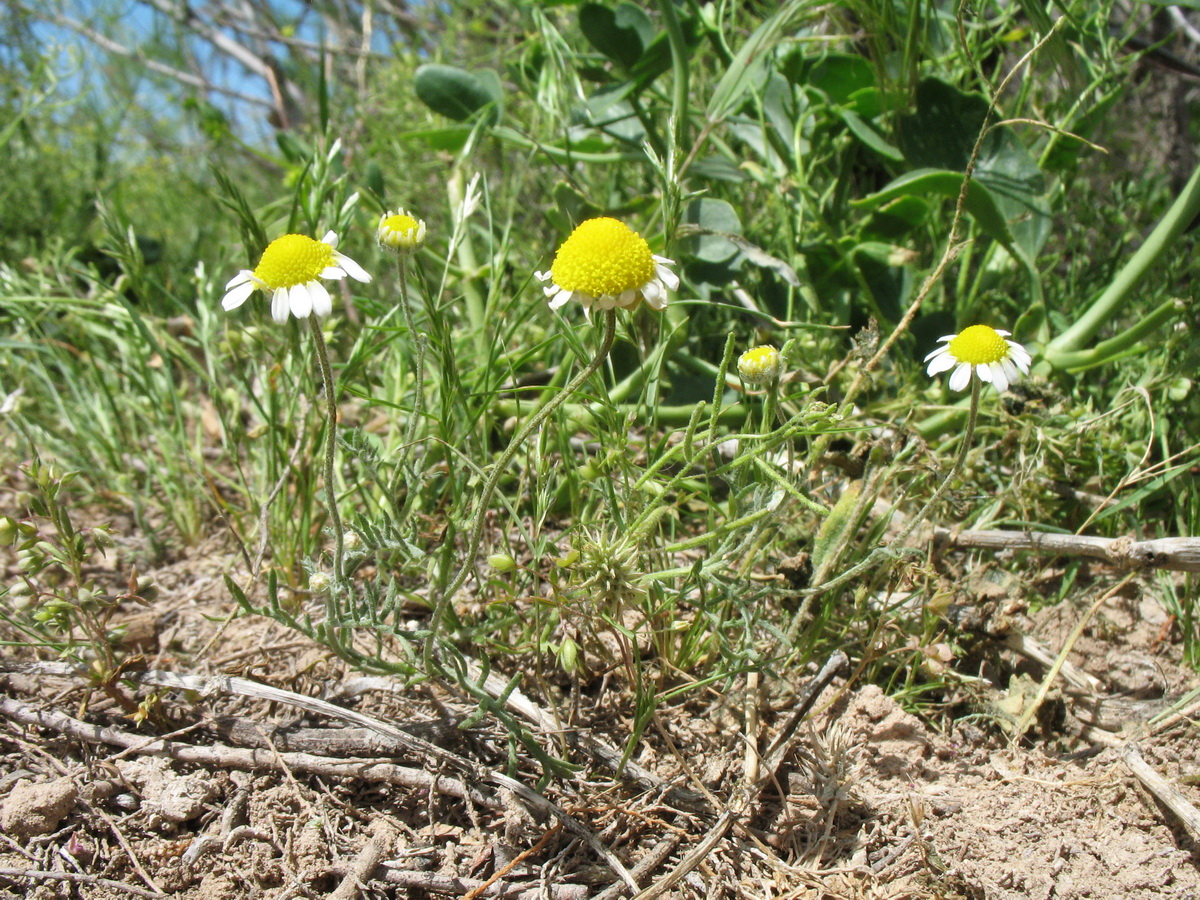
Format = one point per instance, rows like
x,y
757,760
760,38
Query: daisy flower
x,y
760,365
987,351
402,232
289,270
605,264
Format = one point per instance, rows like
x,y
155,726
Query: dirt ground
x,y
253,796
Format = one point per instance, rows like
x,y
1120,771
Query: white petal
x,y
240,278
542,276
984,372
299,301
330,238
333,273
940,351
559,297
627,299
655,294
279,305
961,377
322,303
947,337
665,275
1010,370
238,295
943,362
1002,332
353,269
999,376
1019,355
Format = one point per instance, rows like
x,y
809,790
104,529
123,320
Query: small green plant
x,y
55,604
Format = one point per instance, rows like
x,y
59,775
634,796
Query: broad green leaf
x,y
621,33
980,202
709,219
867,134
941,134
456,93
836,75
452,138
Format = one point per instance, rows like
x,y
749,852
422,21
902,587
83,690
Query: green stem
x,y
1181,214
422,342
465,251
335,519
679,65
1123,344
497,471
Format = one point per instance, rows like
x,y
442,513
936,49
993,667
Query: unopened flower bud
x,y
502,562
761,365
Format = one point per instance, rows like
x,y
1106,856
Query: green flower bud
x,y
502,562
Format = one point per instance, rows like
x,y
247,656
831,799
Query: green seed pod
x,y
146,588
103,539
502,562
568,657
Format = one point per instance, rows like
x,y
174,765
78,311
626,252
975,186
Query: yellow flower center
x,y
399,224
603,257
979,345
760,364
291,260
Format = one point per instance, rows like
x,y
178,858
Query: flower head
x,y
605,264
289,270
760,365
402,232
985,350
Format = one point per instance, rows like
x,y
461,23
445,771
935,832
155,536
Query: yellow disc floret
x,y
400,231
603,257
760,365
291,260
979,345
399,223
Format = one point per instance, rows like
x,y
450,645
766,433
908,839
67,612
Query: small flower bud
x,y
761,365
401,232
351,540
318,582
568,656
502,562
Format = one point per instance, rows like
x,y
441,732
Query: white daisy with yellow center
x,y
400,231
289,271
983,350
605,264
760,365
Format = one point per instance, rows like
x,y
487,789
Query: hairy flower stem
x,y
497,471
335,520
898,542
422,342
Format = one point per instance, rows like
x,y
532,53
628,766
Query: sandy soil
x,y
257,798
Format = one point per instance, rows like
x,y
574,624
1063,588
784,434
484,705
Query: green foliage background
x,y
804,166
